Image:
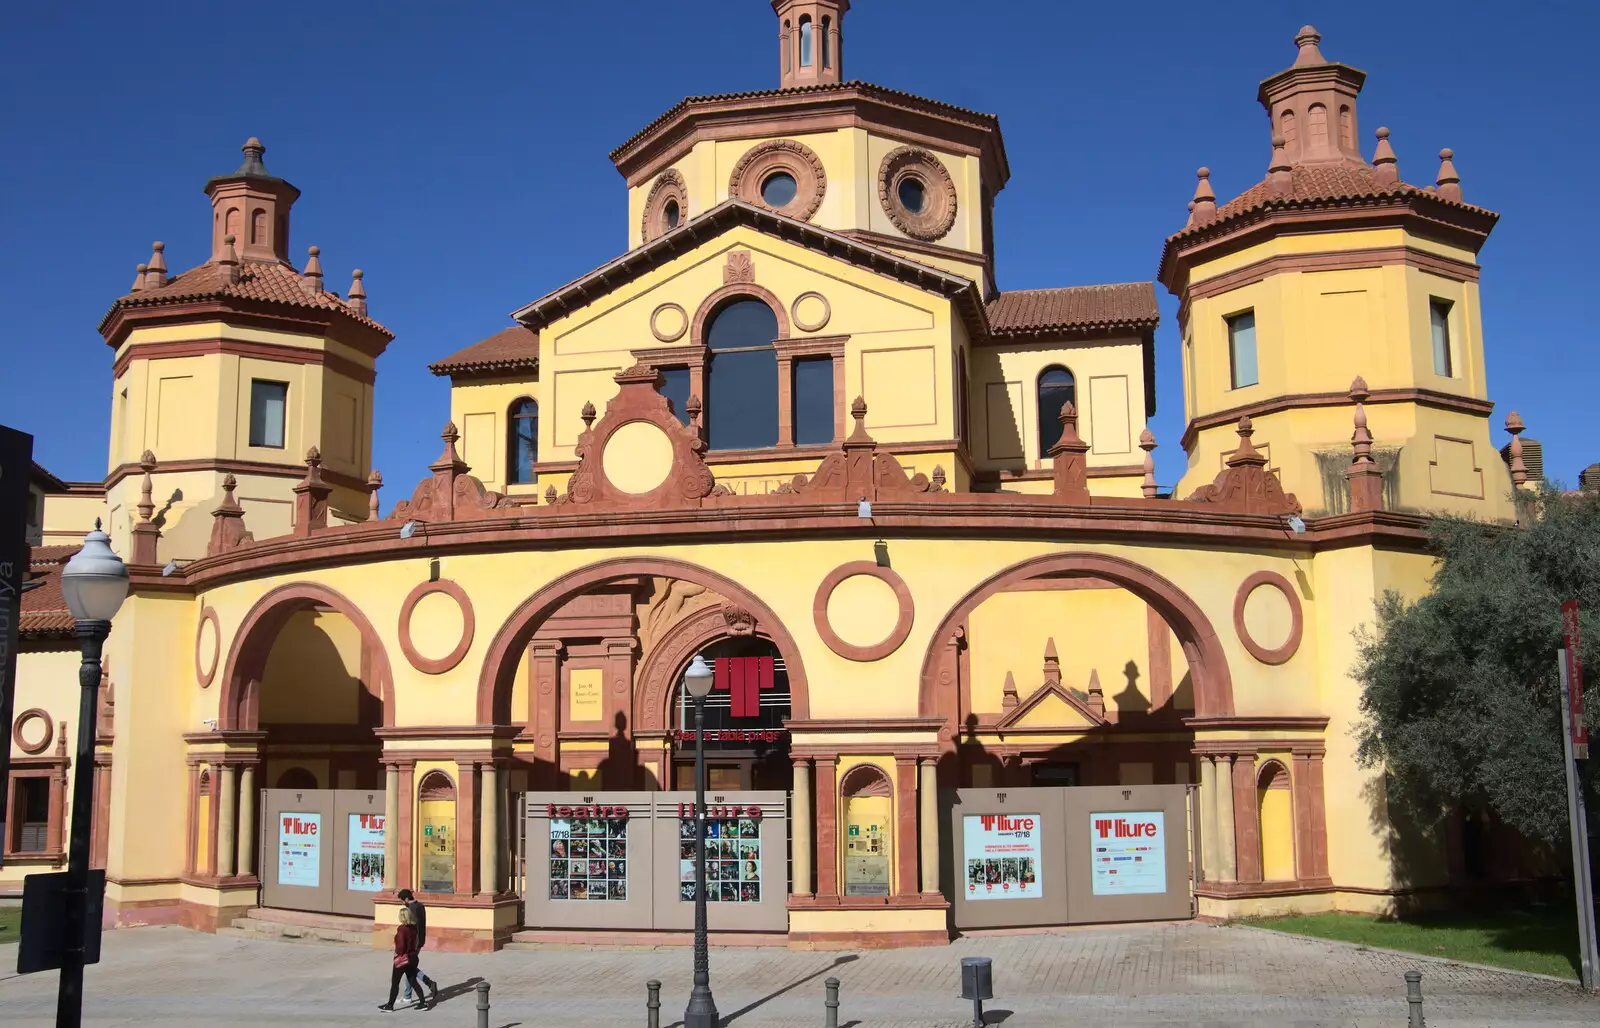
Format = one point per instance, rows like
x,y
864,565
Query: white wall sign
x,y
300,849
1002,856
364,864
1129,852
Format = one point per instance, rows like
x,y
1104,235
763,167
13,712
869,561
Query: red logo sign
x,y
752,811
1002,823
1121,828
294,826
372,821
617,813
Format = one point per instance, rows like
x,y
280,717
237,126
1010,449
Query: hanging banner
x,y
1002,855
1129,853
364,869
300,850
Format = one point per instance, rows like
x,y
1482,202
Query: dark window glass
x,y
805,42
32,815
827,47
1056,388
742,377
268,404
778,189
913,195
962,414
1439,323
524,448
1242,349
676,389
670,214
813,400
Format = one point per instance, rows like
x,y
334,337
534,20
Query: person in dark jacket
x,y
405,961
419,918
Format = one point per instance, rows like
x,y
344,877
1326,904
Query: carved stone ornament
x,y
451,494
799,160
740,621
741,267
859,472
227,522
669,185
685,480
1245,485
939,202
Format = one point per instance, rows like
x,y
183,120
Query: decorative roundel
x,y
669,322
862,605
810,312
665,207
207,647
917,193
780,175
31,731
1288,606
439,665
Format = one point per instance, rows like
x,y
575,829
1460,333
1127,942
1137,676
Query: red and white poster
x,y
1129,853
300,850
1002,856
364,871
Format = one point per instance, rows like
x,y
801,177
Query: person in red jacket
x,y
405,962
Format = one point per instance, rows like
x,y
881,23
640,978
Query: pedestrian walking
x,y
405,962
419,918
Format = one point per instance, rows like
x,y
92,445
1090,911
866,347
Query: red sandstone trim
x,y
238,348
428,665
239,467
896,636
1268,655
1299,401
204,673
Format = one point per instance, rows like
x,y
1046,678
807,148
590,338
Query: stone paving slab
x,y
1172,974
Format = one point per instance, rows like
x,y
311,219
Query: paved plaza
x,y
1169,974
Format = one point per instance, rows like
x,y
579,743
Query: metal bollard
x,y
830,1003
483,1005
1414,998
652,1005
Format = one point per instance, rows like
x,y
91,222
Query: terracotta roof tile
x,y
1128,305
44,609
258,280
510,349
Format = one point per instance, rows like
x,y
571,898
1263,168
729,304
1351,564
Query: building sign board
x,y
300,849
585,694
589,855
364,871
1128,852
1001,854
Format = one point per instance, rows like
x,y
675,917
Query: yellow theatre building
x,y
796,428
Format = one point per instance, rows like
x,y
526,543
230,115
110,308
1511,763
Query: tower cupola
x,y
1312,105
810,41
252,207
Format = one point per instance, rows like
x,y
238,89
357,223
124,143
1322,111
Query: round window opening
x,y
913,194
669,214
779,189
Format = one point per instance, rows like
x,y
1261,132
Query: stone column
x,y
786,398
391,826
247,819
225,821
466,827
405,841
1226,867
801,824
827,828
928,799
1209,869
489,836
1246,819
905,841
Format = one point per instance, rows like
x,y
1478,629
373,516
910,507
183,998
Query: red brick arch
x,y
1213,685
240,702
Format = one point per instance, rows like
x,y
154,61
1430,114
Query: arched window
x,y
258,227
1289,128
827,46
742,376
1347,127
522,444
436,810
1056,387
1317,133
786,34
805,41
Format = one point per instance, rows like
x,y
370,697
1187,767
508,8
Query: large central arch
x,y
1213,685
498,676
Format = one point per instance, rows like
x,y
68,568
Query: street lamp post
x,y
702,1011
94,584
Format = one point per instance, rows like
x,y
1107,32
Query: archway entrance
x,y
747,745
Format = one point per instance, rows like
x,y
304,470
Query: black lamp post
x,y
94,584
702,1011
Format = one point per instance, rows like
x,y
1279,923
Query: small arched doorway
x,y
746,745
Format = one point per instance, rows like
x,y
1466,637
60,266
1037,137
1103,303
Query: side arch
x,y
240,703
663,668
496,680
1213,685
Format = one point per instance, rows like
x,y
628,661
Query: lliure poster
x,y
1130,853
1002,855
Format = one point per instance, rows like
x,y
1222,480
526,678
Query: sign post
x,y
16,464
1577,818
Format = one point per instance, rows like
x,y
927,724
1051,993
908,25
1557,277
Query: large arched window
x,y
805,41
1056,387
742,376
522,443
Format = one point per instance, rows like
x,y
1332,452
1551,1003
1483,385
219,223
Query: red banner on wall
x,y
1569,633
743,678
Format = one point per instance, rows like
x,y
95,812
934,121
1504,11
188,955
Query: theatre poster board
x,y
321,850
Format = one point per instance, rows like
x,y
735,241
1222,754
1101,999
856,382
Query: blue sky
x,y
457,153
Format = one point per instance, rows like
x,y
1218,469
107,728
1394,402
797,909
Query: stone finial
x,y
61,738
146,533
1366,481
588,415
311,497
1280,174
357,296
1519,469
939,478
1097,696
313,272
1247,452
1147,443
155,274
1052,662
253,165
691,410
1385,165
227,521
229,258
858,435
549,494
1205,199
147,505
1310,53
1069,461
1008,693
1448,184
138,277
374,483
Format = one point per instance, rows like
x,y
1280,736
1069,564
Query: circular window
x,y
917,193
669,214
778,189
913,194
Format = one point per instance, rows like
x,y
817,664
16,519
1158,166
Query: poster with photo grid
x,y
589,859
733,860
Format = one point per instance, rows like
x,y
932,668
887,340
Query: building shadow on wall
x,y
619,769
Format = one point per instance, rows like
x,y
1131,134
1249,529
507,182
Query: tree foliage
x,y
1461,695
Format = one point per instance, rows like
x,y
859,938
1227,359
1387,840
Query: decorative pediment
x,y
1051,706
451,494
1245,485
859,472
